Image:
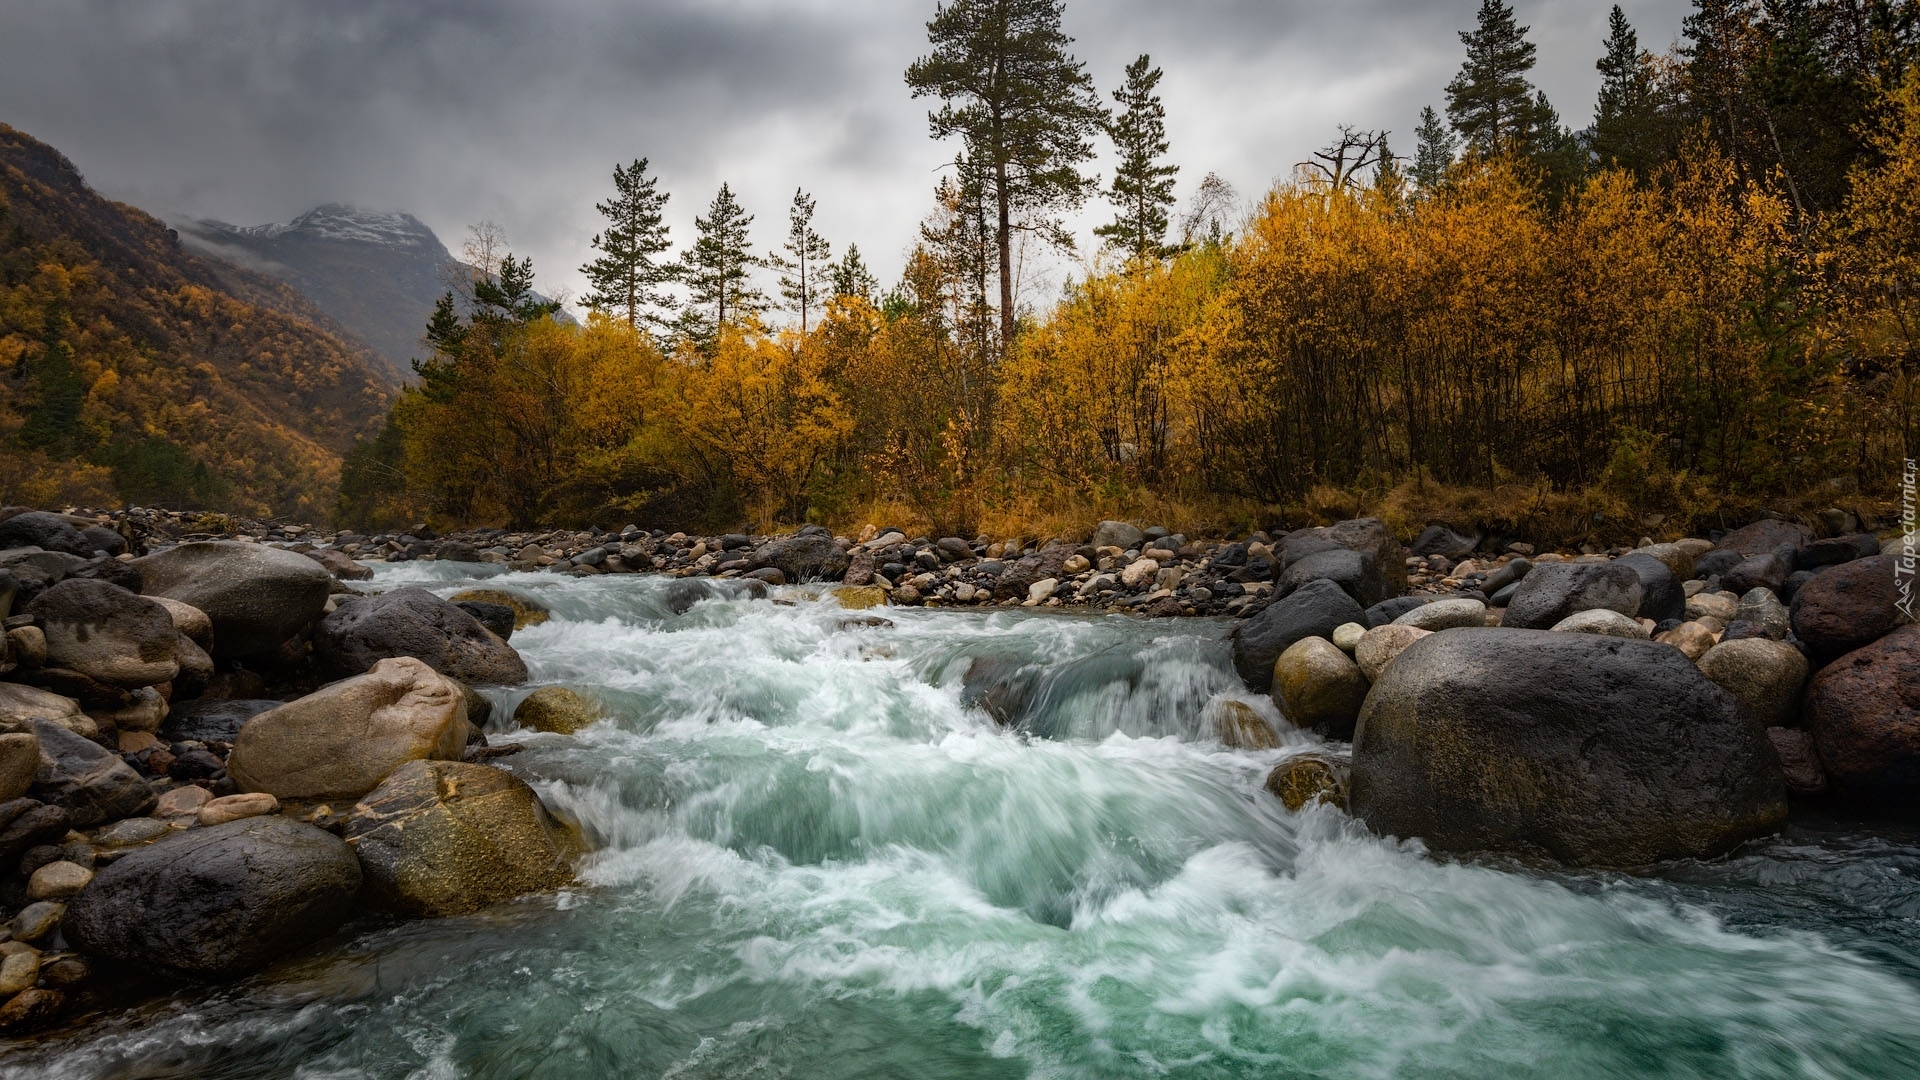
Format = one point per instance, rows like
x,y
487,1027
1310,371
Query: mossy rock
x,y
1308,778
860,597
1239,726
526,610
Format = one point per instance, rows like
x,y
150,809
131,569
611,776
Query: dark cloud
x,y
463,110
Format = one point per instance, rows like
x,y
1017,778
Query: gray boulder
x,y
1356,572
256,596
218,901
1445,542
1117,534
1848,606
1360,534
1661,595
365,630
1591,750
1783,538
87,781
808,555
50,532
1554,591
1313,610
1763,571
107,633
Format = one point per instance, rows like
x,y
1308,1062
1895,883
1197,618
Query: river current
x,y
813,860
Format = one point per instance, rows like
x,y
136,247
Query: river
x,y
813,861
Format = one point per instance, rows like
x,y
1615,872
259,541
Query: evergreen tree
x,y
1388,176
718,268
53,423
808,254
1491,103
1025,111
1629,126
1142,183
1433,150
627,276
1721,45
850,276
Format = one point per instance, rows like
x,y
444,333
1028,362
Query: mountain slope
x,y
133,370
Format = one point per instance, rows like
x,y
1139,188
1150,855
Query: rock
x,y
1799,760
256,596
1138,573
1356,572
1783,538
1764,676
1864,713
1661,595
66,973
1712,605
1239,726
1552,592
1040,590
445,838
1676,558
1849,606
1763,571
1360,534
1117,534
526,610
196,667
1445,614
91,783
1835,550
1386,611
556,709
182,802
28,646
1603,622
860,569
686,592
1016,578
36,920
771,575
19,971
234,807
1716,562
106,633
340,565
1444,541
1313,610
1076,564
810,554
341,740
131,832
860,597
212,720
1509,573
1348,635
1590,750
29,823
31,1009
1308,778
19,761
50,532
1762,608
413,622
1379,646
1317,686
144,713
57,881
219,901
497,618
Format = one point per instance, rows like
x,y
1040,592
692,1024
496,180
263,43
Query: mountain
x,y
376,274
134,370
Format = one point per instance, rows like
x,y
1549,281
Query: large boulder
x,y
90,783
1848,606
1554,591
1313,610
1317,686
810,554
212,719
1767,537
219,901
50,532
1360,534
413,622
1019,577
1594,751
19,763
256,596
21,705
448,837
341,740
1661,595
107,633
1356,572
1864,712
1444,541
526,610
1763,571
1118,534
1763,675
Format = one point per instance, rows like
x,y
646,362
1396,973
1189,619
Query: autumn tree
x,y
627,276
1490,102
1142,189
808,256
718,270
1024,109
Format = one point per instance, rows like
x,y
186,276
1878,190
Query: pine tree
x,y
850,276
1142,184
1627,123
808,254
1491,103
717,269
1025,111
1388,176
627,276
1433,150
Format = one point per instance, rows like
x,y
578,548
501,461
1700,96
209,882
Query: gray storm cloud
x,y
255,110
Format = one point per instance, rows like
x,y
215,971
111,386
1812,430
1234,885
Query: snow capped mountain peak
x,y
343,224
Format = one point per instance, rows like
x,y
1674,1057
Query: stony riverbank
x,y
213,751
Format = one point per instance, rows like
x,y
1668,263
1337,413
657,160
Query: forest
x,y
1699,303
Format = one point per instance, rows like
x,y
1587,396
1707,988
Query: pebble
x,y
57,881
19,971
36,920
1347,635
182,801
234,807
137,830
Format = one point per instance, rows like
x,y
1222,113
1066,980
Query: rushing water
x,y
814,861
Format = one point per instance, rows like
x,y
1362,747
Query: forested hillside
x,y
132,371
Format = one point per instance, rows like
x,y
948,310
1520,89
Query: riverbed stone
x,y
1767,537
49,532
1848,606
1369,535
1117,534
216,720
106,633
413,622
234,807
19,971
1603,621
1378,647
342,566
526,610
188,620
1356,572
1446,613
1764,571
343,739
88,781
1238,725
1554,591
558,709
256,596
1388,611
1864,712
19,761
1763,609
445,838
810,554
1313,610
1347,635
1763,675
29,823
1799,761
1318,687
1712,605
57,881
1661,594
219,901
36,920
1308,778
1589,750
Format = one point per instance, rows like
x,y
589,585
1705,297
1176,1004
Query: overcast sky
x,y
462,110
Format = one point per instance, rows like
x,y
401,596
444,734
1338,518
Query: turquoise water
x,y
814,861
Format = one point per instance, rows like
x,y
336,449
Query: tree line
x,y
1704,295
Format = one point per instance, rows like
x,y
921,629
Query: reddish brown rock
x,y
1864,713
1848,606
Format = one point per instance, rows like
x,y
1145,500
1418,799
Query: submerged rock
x,y
557,709
1308,778
1237,725
526,610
